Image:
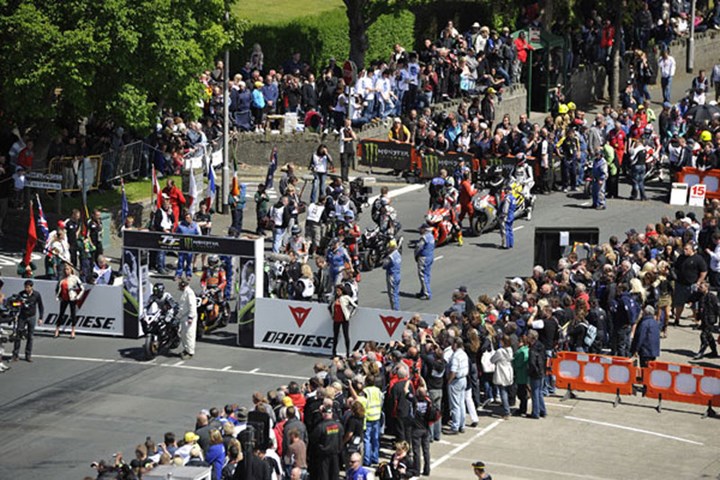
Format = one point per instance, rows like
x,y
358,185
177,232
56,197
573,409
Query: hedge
x,y
320,37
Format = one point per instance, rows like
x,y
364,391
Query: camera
x,y
8,319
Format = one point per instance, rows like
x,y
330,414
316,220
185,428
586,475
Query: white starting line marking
x,y
518,228
464,445
399,191
632,429
179,365
558,405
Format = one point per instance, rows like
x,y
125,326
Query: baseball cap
x,y
191,437
479,465
287,402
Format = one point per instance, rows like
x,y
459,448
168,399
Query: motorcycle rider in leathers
x,y
523,175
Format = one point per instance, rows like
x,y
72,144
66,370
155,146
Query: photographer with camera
x,y
31,303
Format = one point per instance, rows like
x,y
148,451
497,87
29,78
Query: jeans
x,y
237,220
549,382
372,443
278,234
490,390
22,324
456,390
424,266
436,397
184,264
160,260
621,341
569,173
538,401
638,181
421,443
598,193
522,393
666,84
393,289
504,399
318,185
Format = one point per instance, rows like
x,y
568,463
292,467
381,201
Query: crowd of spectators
x,y
482,356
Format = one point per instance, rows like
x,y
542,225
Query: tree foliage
x,y
119,59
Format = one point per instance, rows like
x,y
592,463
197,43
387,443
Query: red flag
x,y
156,189
32,237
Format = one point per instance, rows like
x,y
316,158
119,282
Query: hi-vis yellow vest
x,y
373,406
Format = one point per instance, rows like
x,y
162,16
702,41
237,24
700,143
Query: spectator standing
x,y
262,209
95,231
326,439
520,375
503,375
347,149
342,309
237,204
425,416
72,226
320,164
424,255
715,75
163,221
185,259
393,266
667,68
203,218
536,371
176,198
690,271
458,368
708,309
646,340
32,306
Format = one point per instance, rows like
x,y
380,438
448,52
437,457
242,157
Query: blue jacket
x,y
392,264
425,246
216,458
646,341
337,259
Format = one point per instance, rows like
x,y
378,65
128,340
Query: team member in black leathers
x,y
326,440
32,303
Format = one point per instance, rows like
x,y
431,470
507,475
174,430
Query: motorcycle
x,y
485,216
439,220
162,331
9,313
373,247
360,191
213,313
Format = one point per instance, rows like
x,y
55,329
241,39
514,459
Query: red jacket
x,y
467,192
607,37
299,401
177,200
522,46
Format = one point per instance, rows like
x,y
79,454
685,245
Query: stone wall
x,y
254,148
589,83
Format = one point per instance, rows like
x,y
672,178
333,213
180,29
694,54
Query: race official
x,y
187,315
32,304
424,255
506,219
392,265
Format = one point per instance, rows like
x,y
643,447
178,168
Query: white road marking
x,y
585,204
11,260
439,257
558,405
178,363
445,442
254,372
491,464
399,191
518,228
632,429
464,445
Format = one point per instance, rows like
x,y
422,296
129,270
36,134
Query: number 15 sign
x,y
697,195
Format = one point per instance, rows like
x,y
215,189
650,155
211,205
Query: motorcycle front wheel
x,y
478,223
367,260
151,347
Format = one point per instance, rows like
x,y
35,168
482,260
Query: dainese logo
x,y
390,323
300,314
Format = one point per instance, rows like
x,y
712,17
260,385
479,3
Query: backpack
x,y
590,334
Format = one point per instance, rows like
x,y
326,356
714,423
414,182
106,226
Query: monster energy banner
x,y
432,163
173,242
380,154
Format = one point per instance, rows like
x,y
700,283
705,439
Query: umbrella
x,y
702,113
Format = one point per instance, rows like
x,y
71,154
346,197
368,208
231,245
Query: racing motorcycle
x,y
213,312
485,216
9,313
373,247
360,191
162,331
442,226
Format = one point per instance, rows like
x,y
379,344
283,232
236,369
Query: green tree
x,y
116,59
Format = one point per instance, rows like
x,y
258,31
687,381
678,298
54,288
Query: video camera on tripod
x,y
9,319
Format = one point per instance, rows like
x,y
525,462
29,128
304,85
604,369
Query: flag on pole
x,y
211,187
124,207
193,193
156,190
234,186
42,223
31,238
271,168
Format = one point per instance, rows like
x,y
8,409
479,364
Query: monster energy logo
x,y
187,243
371,153
430,165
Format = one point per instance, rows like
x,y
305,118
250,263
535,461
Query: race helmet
x,y
520,158
563,109
649,128
158,289
705,136
571,106
213,261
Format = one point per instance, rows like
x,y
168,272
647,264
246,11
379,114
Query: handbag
x,y
487,365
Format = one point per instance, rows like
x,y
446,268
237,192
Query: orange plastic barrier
x,y
682,383
709,178
594,373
